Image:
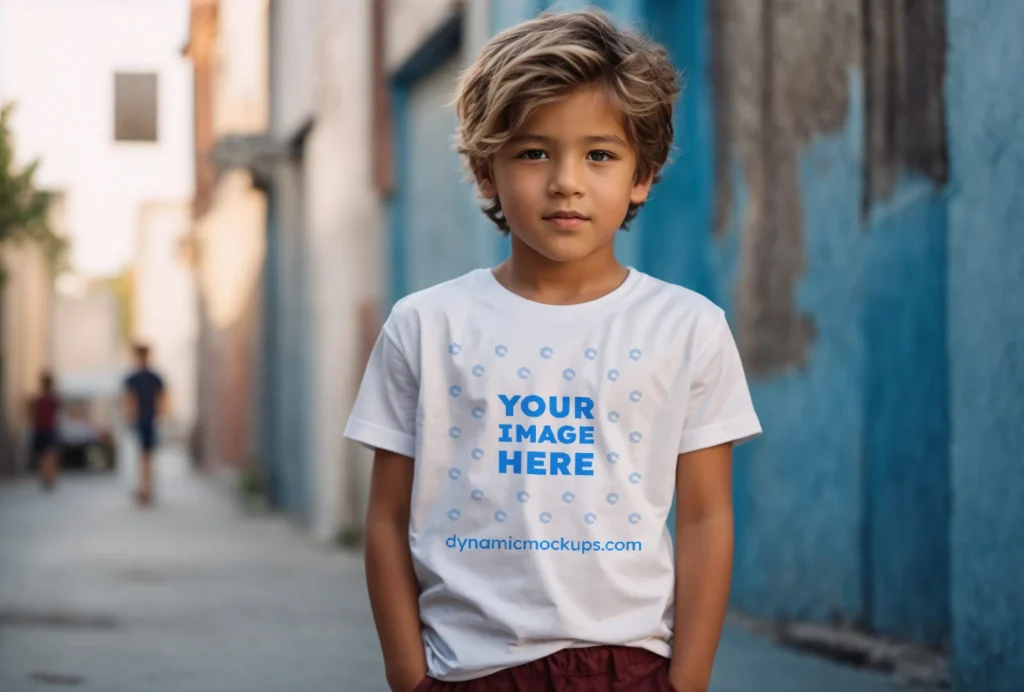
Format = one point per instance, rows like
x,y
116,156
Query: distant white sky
x,y
57,62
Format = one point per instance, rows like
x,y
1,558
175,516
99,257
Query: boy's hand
x,y
408,682
678,679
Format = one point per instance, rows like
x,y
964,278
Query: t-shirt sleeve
x,y
384,415
719,408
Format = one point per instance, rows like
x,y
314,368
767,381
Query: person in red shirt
x,y
43,413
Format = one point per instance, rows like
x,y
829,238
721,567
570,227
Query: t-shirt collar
x,y
492,289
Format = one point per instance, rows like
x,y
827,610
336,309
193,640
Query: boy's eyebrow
x,y
590,139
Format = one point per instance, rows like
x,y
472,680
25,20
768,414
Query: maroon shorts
x,y
590,669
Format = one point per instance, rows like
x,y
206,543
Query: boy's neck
x,y
535,277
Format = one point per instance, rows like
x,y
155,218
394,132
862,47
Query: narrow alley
x,y
197,596
191,595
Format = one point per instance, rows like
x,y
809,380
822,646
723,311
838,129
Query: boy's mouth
x,y
566,220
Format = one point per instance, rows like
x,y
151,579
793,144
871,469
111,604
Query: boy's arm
x,y
394,590
704,553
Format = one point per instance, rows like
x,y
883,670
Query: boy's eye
x,y
531,154
600,155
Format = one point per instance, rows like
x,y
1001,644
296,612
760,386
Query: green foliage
x,y
25,210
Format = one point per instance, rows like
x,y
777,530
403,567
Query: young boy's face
x,y
566,179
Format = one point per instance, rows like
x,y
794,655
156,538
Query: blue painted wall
x,y
505,13
842,507
443,205
673,234
437,231
906,416
270,363
986,341
800,489
287,350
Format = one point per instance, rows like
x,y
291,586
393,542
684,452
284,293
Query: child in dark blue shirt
x,y
144,401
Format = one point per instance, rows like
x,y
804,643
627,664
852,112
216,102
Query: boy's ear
x,y
485,181
641,188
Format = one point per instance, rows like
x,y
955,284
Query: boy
x,y
532,422
144,401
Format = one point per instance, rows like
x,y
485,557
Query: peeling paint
x,y
904,73
782,68
841,319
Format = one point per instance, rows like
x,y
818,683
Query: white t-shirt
x,y
545,440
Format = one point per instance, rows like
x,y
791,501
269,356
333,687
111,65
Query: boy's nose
x,y
566,180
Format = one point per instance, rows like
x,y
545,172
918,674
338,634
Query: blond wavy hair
x,y
540,61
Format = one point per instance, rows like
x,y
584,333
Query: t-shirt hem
x,y
656,646
380,438
736,430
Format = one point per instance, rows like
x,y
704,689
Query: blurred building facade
x,y
27,307
227,46
25,345
843,185
290,267
117,68
323,268
101,100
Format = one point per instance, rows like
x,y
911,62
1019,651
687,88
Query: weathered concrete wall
x,y
986,283
906,395
323,272
839,310
788,264
345,258
231,248
786,80
231,62
240,102
293,68
906,416
288,337
292,342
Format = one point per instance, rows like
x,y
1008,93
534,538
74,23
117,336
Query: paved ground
x,y
193,596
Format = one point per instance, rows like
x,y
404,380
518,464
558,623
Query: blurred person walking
x,y
145,399
44,410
